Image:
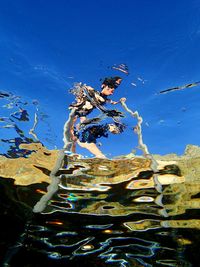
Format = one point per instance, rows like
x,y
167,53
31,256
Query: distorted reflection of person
x,y
87,137
88,99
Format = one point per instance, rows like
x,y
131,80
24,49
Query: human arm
x,y
123,99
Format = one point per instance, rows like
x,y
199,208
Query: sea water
x,y
133,210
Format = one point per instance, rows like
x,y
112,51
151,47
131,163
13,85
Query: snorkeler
x,y
87,99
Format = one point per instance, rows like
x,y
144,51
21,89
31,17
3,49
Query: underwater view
x,y
99,133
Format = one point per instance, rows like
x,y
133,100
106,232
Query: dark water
x,y
103,212
116,227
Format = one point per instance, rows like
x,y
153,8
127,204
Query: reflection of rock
x,y
142,225
147,224
149,183
128,173
37,167
181,224
34,169
113,171
117,209
189,162
182,197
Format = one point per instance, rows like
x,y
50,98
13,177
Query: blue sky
x,y
46,46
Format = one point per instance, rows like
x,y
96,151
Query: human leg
x,y
92,147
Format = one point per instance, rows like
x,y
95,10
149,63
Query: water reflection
x,y
121,225
100,211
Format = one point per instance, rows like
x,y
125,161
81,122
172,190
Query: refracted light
x,y
63,195
144,199
40,191
55,255
103,168
107,231
72,197
54,222
184,241
87,247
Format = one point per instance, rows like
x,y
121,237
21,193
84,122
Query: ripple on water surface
x,y
102,212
